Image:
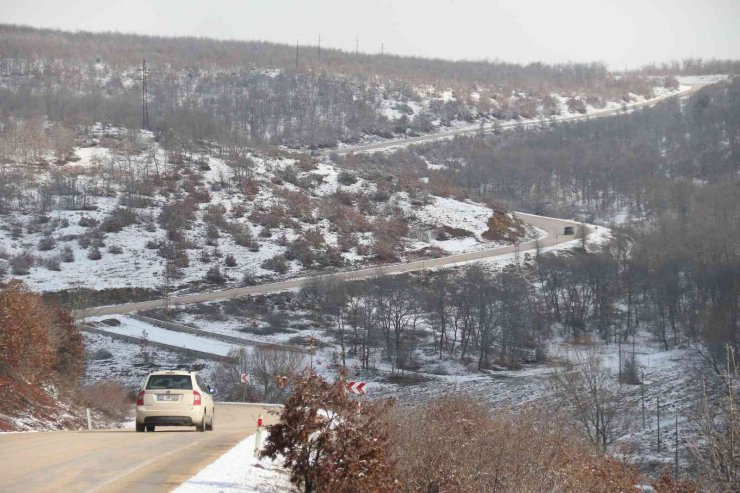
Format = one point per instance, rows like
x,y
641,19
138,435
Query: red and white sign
x,y
244,378
356,387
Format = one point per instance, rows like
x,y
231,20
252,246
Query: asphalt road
x,y
387,144
553,227
109,461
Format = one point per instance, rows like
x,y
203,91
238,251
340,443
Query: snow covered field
x,y
136,328
238,471
287,203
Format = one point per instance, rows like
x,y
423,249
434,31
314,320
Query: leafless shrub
x,y
493,457
100,354
46,243
272,218
94,237
300,250
276,263
66,254
241,234
94,253
108,397
20,265
16,230
87,222
346,178
118,219
263,366
214,275
249,279
630,372
212,232
51,263
214,216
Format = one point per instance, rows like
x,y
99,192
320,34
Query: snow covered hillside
x,y
122,210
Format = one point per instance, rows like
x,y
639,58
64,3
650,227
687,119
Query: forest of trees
x,y
675,269
643,163
127,50
693,66
679,280
221,90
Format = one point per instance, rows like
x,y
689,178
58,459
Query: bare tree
x,y
718,425
585,387
264,365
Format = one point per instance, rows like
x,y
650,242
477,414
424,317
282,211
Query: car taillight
x,y
196,398
140,398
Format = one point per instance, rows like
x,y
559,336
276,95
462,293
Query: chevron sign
x,y
356,387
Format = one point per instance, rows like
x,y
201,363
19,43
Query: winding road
x,y
472,130
109,461
125,461
552,226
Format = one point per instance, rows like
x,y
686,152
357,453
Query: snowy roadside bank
x,y
239,471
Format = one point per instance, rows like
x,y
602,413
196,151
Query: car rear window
x,y
181,382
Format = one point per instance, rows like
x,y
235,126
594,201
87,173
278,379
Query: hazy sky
x,y
618,32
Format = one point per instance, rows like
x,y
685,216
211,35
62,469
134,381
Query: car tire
x,y
210,423
139,427
150,427
202,425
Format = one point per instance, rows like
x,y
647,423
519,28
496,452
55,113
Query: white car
x,y
174,398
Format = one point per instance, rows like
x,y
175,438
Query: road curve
x,y
108,461
553,227
472,130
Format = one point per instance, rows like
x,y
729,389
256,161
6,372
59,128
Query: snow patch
x,y
238,471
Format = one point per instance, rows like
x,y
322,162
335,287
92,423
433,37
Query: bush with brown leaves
x,y
108,397
329,443
37,342
457,444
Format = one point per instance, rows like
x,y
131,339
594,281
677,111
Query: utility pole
x,y
381,48
296,54
658,406
319,47
144,103
675,445
642,391
619,346
357,44
167,286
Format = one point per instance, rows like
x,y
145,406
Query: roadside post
x,y
89,419
258,436
244,378
357,388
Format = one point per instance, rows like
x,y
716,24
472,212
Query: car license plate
x,y
167,397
